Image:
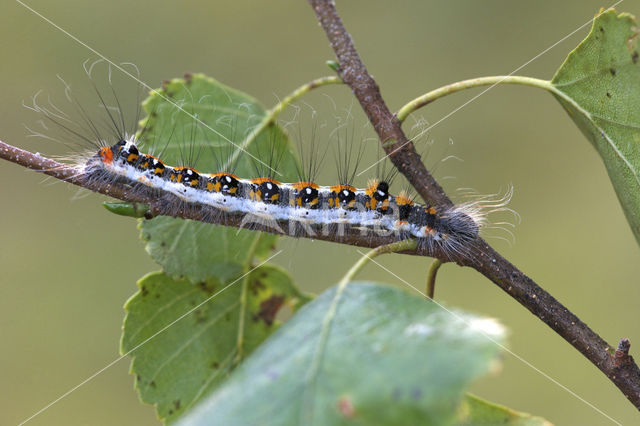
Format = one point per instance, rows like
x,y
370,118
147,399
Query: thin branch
x,y
481,256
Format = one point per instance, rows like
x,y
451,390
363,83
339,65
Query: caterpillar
x,y
306,206
297,209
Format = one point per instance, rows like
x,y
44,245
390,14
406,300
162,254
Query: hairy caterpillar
x,y
340,212
307,204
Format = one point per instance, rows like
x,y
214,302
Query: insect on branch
x,y
163,204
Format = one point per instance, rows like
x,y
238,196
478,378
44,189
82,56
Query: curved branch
x,y
481,257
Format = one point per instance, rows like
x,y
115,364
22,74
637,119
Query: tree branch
x,y
353,72
624,374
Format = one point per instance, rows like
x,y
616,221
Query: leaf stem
x,y
248,268
403,245
431,277
273,113
440,92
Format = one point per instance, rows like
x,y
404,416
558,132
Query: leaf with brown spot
x,y
192,355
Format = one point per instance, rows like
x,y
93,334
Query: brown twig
x,y
625,375
353,72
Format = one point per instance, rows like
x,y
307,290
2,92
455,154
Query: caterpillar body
x,y
309,209
369,216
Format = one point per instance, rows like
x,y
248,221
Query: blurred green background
x,y
67,266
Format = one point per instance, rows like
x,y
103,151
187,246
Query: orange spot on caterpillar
x,y
220,174
107,154
403,199
255,195
299,186
260,180
372,186
338,188
180,168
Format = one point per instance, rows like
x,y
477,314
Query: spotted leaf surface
x,y
360,354
186,337
599,86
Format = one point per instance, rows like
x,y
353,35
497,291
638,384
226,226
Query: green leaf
x,y
475,411
199,251
599,86
360,354
177,358
191,249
